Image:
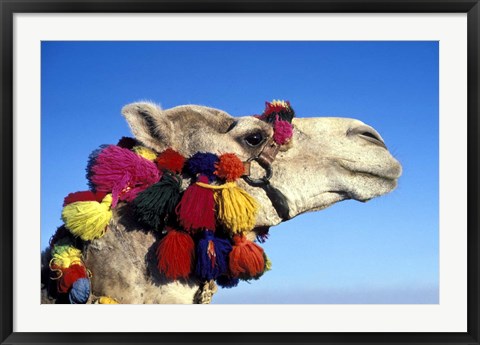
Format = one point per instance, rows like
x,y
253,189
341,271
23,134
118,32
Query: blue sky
x,y
383,251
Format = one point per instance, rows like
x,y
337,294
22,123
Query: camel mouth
x,y
391,174
382,176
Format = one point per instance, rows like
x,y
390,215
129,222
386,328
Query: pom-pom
x,y
65,255
278,108
80,291
171,160
202,163
237,210
106,300
61,233
156,202
227,282
128,143
121,172
83,196
262,234
145,152
283,131
196,209
212,256
229,167
88,219
268,263
69,276
246,259
175,254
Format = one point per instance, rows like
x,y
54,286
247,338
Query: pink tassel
x,y
123,173
283,131
196,210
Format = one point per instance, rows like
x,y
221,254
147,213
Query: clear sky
x,y
383,251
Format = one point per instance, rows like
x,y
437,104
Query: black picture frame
x,y
7,10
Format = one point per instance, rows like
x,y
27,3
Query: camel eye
x,y
254,139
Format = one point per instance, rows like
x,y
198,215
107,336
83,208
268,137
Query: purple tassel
x,y
202,163
227,282
212,256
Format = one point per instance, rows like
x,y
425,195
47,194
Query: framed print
x,y
307,170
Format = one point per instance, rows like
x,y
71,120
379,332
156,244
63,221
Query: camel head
x,y
325,161
328,160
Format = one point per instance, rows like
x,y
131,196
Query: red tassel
x,y
246,259
175,254
196,210
69,276
83,196
171,160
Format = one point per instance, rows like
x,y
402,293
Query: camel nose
x,y
367,133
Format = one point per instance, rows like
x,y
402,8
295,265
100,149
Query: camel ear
x,y
148,125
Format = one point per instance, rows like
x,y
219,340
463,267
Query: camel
x,y
327,161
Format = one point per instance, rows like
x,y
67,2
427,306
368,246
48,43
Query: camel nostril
x,y
367,133
371,135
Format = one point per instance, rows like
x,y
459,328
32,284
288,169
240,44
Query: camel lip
x,y
390,178
392,174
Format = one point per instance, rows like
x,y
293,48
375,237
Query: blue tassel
x,y
202,163
212,256
80,291
227,282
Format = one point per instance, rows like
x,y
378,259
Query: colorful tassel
x,y
83,196
64,256
262,234
121,172
80,291
106,300
171,160
61,233
175,254
157,201
283,131
237,210
202,163
246,259
128,143
88,219
212,256
229,167
278,108
227,282
268,263
145,152
196,209
69,276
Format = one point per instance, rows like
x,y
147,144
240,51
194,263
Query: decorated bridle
x,y
202,228
265,160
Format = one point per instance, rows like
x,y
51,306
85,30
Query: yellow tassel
x,y
268,264
145,153
88,219
237,209
65,256
107,300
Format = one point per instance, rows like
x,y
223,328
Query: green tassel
x,y
153,205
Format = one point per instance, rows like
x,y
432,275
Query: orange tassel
x,y
246,259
